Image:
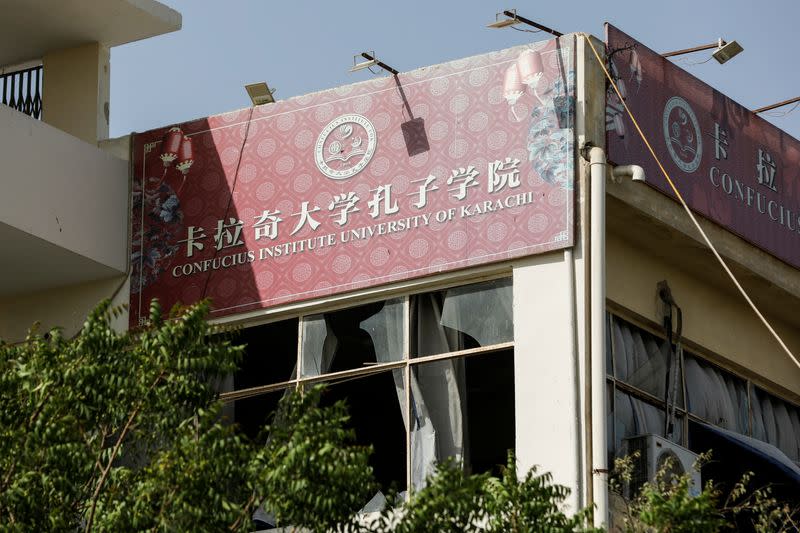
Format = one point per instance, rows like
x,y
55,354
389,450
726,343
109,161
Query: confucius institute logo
x,y
682,134
345,146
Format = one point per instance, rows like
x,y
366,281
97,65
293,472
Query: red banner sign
x,y
446,167
730,165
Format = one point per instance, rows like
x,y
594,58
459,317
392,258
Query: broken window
x,y
462,392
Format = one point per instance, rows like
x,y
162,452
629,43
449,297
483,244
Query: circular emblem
x,y
682,134
345,146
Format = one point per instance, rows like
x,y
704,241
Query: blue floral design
x,y
550,137
170,209
157,223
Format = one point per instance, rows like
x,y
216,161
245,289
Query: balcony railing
x,y
22,90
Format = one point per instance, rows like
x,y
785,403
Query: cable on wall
x,y
233,188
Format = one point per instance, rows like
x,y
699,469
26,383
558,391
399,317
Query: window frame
x,y
406,364
706,356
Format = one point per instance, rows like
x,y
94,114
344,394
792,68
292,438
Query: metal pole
x,y
529,22
717,44
779,104
381,64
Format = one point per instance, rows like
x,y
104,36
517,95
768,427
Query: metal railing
x,y
22,90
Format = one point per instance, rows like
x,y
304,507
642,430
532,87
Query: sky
x,y
308,45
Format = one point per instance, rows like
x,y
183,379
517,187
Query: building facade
x,y
65,198
460,251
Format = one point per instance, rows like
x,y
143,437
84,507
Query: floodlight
x,y
371,61
727,51
724,50
502,23
364,64
260,93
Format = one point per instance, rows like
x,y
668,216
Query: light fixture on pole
x,y
723,50
513,18
779,104
371,61
727,51
260,93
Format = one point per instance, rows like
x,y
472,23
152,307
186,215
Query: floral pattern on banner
x,y
162,209
550,135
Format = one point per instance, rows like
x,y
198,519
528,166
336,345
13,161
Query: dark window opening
x,y
252,415
730,460
270,355
375,405
490,410
463,408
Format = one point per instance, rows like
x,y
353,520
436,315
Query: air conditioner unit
x,y
654,452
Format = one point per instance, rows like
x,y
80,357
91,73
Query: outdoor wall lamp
x,y
260,93
371,61
513,18
724,51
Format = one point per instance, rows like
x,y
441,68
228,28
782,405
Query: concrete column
x,y
546,371
75,88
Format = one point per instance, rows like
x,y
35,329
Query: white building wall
x,y
65,307
547,370
63,190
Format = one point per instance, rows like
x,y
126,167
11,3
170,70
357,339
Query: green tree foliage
x,y
124,432
669,504
453,501
95,431
310,473
533,504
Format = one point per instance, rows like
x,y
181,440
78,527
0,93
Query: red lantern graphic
x,y
170,145
185,156
530,67
512,85
513,88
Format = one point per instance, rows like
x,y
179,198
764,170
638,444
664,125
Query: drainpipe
x,y
597,317
635,172
579,481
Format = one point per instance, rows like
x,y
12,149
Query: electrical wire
x,y
523,29
233,188
708,242
684,61
779,114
